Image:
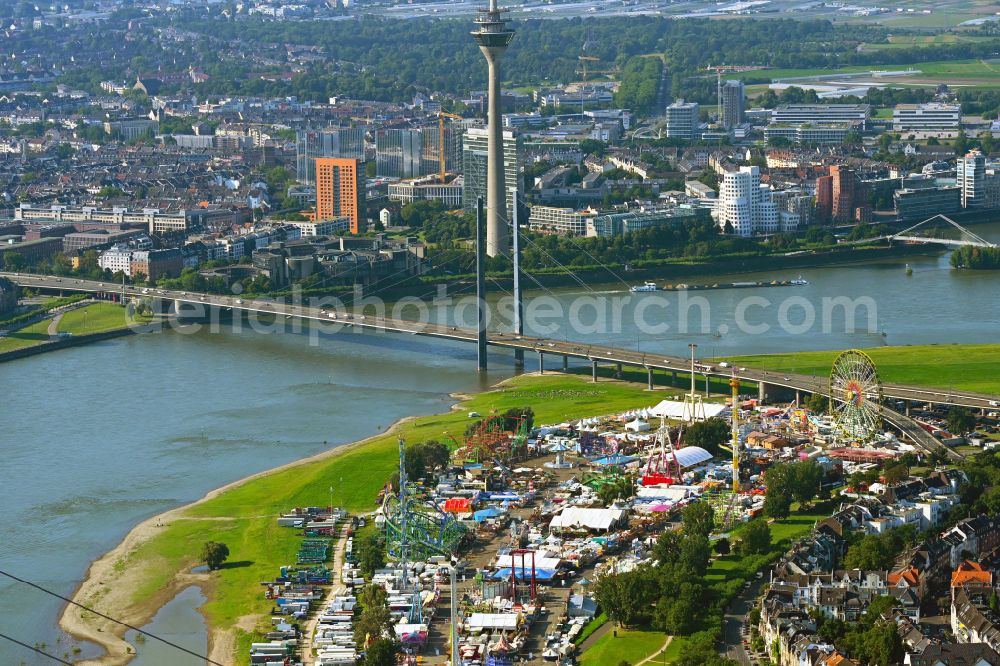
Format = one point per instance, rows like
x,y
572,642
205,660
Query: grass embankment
x,y
952,367
629,645
244,517
96,318
35,334
968,72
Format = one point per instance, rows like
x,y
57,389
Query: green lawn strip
x,y
958,367
244,517
957,69
28,336
96,318
595,623
630,645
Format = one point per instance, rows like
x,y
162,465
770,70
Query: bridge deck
x,y
334,321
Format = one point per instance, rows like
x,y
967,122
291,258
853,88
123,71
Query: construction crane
x,y
441,156
585,69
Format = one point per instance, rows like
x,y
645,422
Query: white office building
x,y
560,221
310,229
934,117
745,204
682,120
118,259
970,172
798,114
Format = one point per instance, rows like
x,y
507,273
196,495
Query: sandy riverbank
x,y
110,580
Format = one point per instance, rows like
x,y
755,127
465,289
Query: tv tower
x,y
493,36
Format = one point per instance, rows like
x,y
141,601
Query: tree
x,y
776,504
805,477
817,403
371,554
13,261
699,650
214,553
374,622
756,538
960,421
961,143
778,499
626,596
382,652
698,519
894,474
695,551
722,546
707,434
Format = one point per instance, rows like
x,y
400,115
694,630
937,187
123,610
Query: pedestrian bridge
x,y
937,225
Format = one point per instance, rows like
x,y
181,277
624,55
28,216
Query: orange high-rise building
x,y
339,190
824,199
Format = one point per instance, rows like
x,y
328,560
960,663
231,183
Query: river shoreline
x,y
109,575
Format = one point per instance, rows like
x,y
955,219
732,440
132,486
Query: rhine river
x,y
97,438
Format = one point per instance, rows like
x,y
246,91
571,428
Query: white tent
x,y
587,518
541,562
637,426
494,621
674,409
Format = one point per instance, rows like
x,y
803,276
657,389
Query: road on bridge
x,y
596,354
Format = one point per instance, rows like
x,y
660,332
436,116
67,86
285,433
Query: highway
x,y
199,303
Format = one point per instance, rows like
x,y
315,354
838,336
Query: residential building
x,y
155,264
933,117
327,142
799,114
970,176
340,191
953,654
733,103
560,221
824,199
682,120
474,153
846,194
745,203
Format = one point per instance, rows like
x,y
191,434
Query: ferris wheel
x,y
856,396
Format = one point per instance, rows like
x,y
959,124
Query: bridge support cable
x,y
518,302
972,238
480,286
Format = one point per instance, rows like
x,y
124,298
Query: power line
x,y
108,617
37,649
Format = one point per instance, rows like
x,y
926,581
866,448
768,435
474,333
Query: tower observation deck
x,y
493,36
